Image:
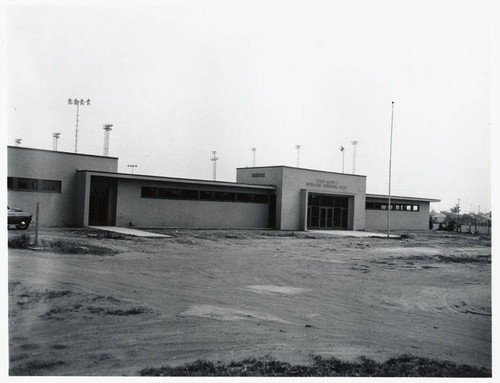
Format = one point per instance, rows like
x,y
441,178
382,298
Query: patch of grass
x,y
33,367
118,312
73,247
59,346
106,235
22,241
403,366
15,358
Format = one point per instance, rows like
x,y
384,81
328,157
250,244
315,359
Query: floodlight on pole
x,y
343,157
254,150
298,155
354,143
132,166
390,174
77,103
55,137
18,141
107,128
214,160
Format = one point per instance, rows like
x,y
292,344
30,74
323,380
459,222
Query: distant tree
x,y
455,209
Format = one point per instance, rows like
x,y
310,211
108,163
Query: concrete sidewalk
x,y
349,233
129,231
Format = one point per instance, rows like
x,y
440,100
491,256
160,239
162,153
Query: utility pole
x,y
390,174
254,150
459,228
214,160
343,157
354,143
54,140
298,155
77,103
132,166
107,128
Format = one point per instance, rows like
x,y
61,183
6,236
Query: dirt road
x,y
231,295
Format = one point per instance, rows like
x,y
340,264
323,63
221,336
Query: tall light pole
x,y
254,150
390,170
298,155
107,128
354,143
55,137
132,166
343,156
214,160
18,141
77,103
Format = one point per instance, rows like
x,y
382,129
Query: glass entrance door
x,y
327,212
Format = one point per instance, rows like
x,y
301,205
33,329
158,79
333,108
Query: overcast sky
x,y
184,79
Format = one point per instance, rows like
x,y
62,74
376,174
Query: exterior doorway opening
x,y
102,204
327,212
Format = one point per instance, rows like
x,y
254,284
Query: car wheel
x,y
23,225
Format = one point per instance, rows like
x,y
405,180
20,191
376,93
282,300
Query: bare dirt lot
x,y
231,295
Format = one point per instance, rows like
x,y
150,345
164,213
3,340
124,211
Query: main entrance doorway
x,y
102,204
327,212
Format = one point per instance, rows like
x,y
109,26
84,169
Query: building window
x,y
51,186
396,207
27,184
202,195
31,184
205,195
148,192
258,175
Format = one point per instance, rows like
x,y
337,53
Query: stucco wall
x,y
56,209
149,212
376,220
272,176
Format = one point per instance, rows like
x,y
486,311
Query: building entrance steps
x,y
129,231
350,233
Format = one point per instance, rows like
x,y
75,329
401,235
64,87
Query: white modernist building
x,y
78,190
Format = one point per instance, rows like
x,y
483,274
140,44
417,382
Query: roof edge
x,y
386,196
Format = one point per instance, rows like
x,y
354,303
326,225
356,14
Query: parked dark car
x,y
19,218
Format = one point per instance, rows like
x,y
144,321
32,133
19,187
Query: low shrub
x,y
402,366
22,241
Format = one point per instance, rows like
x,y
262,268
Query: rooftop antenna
x,y
390,174
354,143
214,160
55,137
77,103
254,150
132,166
298,155
107,128
18,141
343,157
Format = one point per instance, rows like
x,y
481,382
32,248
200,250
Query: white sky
x,y
183,79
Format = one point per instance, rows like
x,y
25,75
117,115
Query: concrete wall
x,y
291,181
271,176
56,209
376,220
151,212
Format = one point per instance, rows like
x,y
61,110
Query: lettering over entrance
x,y
327,212
329,184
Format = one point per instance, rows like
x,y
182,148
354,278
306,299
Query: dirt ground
x,y
230,295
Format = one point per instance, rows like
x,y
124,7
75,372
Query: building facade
x,y
78,190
